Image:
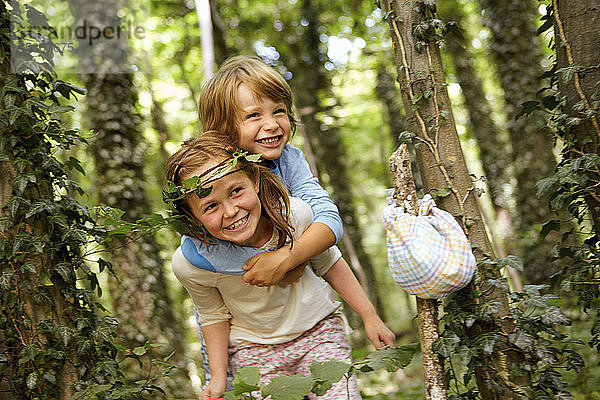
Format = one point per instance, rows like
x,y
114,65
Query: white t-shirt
x,y
266,315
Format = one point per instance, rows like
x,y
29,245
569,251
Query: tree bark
x,y
577,42
513,27
326,140
492,142
139,297
442,166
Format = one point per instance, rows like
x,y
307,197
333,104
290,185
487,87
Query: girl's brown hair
x,y
211,146
218,106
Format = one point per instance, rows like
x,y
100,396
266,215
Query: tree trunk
x,y
47,321
406,197
326,140
513,28
444,171
140,299
577,42
492,142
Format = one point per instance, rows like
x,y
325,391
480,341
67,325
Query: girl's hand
x,y
268,268
214,390
378,333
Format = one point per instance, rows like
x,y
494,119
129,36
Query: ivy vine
x,y
57,340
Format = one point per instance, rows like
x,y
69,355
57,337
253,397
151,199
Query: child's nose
x,y
230,209
270,124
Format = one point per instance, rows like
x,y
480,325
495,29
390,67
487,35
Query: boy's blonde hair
x,y
218,107
211,146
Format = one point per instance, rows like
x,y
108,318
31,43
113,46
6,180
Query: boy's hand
x,y
378,333
268,268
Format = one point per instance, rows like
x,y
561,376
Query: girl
x,y
281,328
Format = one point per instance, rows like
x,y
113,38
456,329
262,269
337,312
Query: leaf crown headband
x,y
174,193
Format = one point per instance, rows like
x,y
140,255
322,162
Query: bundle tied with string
x,y
428,253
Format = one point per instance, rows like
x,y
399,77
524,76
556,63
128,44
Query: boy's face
x,y
232,210
264,125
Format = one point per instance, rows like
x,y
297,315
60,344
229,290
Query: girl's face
x,y
264,125
232,210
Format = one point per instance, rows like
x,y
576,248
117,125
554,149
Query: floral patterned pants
x,y
326,340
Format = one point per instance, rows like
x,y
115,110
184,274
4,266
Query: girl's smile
x,y
232,210
264,125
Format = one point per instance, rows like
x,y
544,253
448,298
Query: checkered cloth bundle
x,y
428,254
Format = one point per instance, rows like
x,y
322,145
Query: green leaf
x,y
253,157
139,351
72,162
552,225
527,108
441,192
293,387
32,380
553,315
510,261
326,373
392,358
6,278
545,185
522,340
246,380
202,192
446,345
65,333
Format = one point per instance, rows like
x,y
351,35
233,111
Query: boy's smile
x,y
264,125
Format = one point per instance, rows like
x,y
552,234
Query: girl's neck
x,y
263,233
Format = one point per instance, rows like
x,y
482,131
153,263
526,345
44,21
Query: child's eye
x,y
280,111
237,190
210,207
253,115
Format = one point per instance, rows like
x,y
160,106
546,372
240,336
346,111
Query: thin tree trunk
x,y
442,166
406,197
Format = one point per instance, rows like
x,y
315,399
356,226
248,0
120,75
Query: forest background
x,y
115,110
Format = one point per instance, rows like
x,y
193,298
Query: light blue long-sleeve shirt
x,y
291,166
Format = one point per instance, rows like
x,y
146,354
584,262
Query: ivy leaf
x,y
32,380
486,342
326,373
440,193
544,186
552,225
202,192
139,350
522,340
392,358
528,107
246,380
446,345
73,163
575,361
553,315
253,157
293,387
6,278
65,333
510,261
